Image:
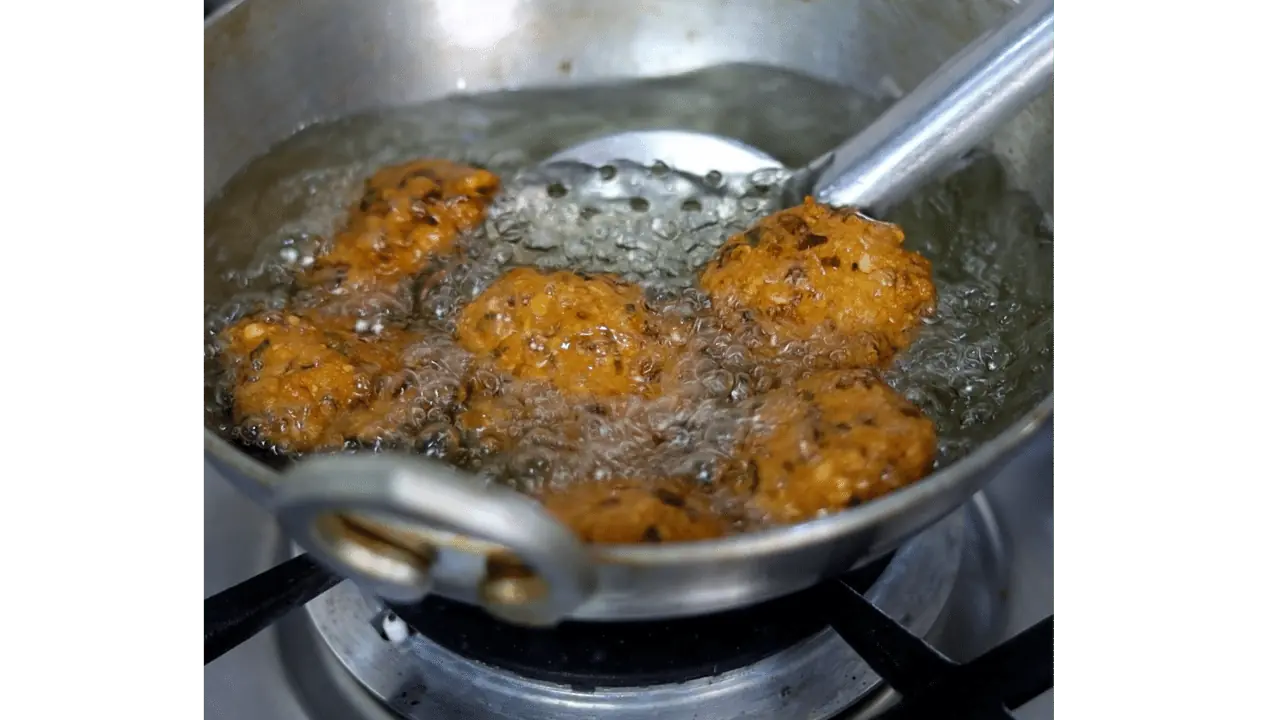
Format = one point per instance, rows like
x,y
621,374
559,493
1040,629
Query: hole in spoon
x,y
639,204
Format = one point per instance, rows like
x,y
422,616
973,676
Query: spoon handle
x,y
948,114
242,611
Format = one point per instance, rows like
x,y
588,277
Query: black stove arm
x,y
931,685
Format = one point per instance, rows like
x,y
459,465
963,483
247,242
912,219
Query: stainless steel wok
x,y
404,529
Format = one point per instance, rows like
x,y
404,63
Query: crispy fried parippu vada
x,y
583,334
836,439
408,215
305,384
813,270
625,511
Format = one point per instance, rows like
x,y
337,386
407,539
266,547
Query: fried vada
x,y
835,440
583,334
816,272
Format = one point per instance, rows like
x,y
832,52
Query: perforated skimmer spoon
x,y
923,135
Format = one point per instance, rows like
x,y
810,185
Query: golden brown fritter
x,y
499,414
408,215
582,334
634,512
393,416
305,384
835,440
490,422
813,270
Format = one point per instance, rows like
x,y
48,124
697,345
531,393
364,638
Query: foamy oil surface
x,y
983,359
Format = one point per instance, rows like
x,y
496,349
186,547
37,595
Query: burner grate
x,y
442,660
932,685
587,656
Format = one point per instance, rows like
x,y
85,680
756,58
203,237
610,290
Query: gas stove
x,y
980,579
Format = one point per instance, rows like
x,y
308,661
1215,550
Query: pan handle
x,y
399,525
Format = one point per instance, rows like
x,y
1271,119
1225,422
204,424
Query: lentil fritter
x,y
591,335
834,440
812,270
408,216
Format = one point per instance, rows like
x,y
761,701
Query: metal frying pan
x,y
405,527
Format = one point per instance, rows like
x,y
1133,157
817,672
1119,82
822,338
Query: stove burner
x,y
587,656
469,666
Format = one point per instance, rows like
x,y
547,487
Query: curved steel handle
x,y
948,114
403,526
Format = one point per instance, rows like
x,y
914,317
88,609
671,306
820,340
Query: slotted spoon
x,y
925,134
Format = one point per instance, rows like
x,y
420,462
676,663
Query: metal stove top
x,y
976,579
